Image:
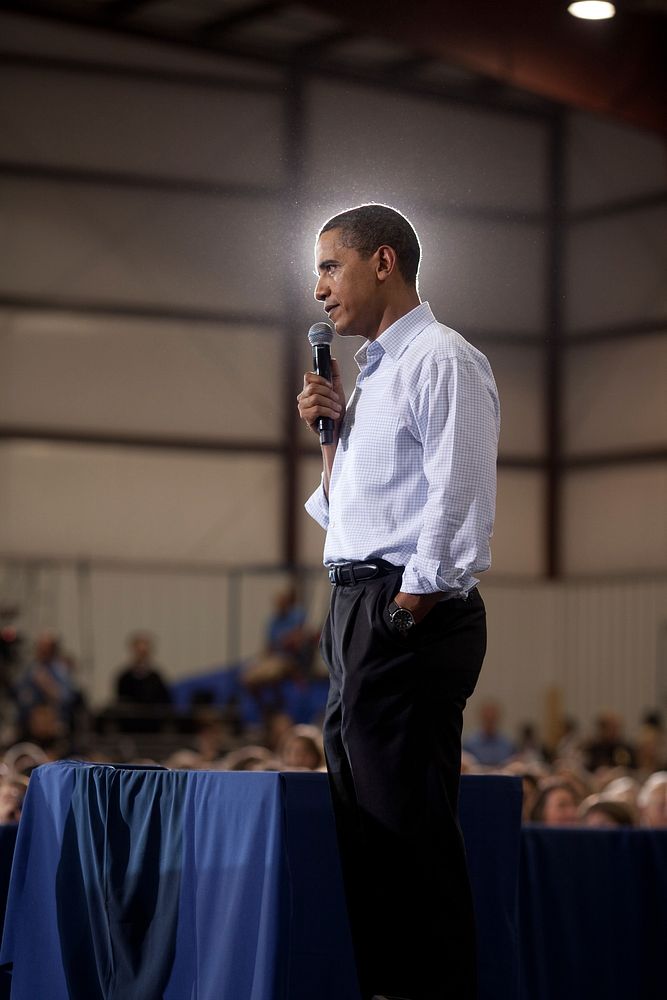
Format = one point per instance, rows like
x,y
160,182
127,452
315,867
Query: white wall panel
x,y
97,374
520,666
187,612
115,124
483,275
616,270
600,644
517,543
519,374
611,162
366,144
615,395
614,520
140,247
69,500
612,648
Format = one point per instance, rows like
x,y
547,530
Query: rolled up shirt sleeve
x,y
457,414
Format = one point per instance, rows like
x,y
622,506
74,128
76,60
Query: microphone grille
x,y
320,333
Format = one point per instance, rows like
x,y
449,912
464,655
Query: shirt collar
x,y
396,337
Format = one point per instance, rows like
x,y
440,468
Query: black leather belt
x,y
348,573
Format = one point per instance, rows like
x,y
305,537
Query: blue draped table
x,y
7,844
147,884
593,914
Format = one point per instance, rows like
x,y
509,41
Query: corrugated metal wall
x,y
597,643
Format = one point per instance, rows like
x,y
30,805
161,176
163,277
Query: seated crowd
x,y
601,781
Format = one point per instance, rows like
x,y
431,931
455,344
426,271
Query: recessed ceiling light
x,y
592,10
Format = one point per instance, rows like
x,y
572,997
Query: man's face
x,y
141,647
489,719
46,648
347,286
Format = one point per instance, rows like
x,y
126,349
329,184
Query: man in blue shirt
x,y
407,500
488,745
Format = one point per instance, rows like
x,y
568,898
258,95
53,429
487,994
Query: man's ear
x,y
386,262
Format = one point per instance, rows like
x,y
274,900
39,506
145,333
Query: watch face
x,y
402,619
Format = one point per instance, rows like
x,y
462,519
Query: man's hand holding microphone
x,y
322,399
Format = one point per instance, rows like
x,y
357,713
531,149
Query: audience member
x,y
140,680
301,748
651,745
23,758
624,789
46,684
210,740
140,685
288,653
183,760
247,758
569,746
531,789
652,801
577,777
601,813
276,726
529,747
488,745
44,726
12,794
608,748
556,804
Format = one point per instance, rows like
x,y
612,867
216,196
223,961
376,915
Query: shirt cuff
x,y
423,576
317,506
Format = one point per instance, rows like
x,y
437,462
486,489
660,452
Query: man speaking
x,y
407,501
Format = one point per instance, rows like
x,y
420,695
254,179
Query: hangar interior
x,y
164,168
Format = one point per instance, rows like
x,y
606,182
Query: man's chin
x,y
343,328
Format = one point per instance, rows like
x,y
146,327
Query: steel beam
x,y
126,71
138,310
294,133
134,181
553,355
269,56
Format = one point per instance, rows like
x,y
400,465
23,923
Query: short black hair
x,y
367,227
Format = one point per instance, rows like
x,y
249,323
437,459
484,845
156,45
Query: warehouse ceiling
x,y
512,53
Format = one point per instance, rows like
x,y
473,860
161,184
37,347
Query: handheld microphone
x,y
320,336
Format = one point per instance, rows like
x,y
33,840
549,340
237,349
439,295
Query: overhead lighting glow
x,y
592,10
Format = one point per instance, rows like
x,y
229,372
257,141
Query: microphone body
x,y
320,336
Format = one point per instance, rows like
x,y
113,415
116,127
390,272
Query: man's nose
x,y
321,288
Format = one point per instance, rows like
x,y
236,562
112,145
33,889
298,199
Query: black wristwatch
x,y
400,618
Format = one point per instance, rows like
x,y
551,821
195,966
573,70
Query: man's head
x,y
367,261
141,646
368,227
489,717
47,646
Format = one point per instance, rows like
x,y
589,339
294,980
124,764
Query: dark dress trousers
x,y
392,737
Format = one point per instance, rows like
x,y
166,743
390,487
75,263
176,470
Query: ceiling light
x,y
592,10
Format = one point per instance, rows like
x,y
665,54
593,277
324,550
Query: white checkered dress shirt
x,y
414,478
